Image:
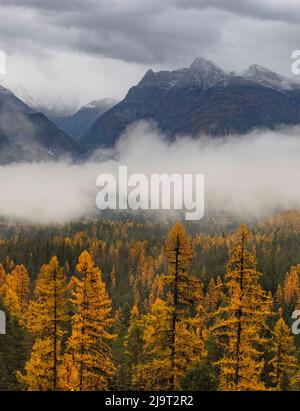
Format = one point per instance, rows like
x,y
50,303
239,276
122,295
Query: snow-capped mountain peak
x,y
101,104
202,65
269,78
9,98
206,72
4,91
201,73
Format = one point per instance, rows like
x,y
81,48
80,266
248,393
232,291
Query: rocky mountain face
x,y
29,136
202,99
79,123
13,101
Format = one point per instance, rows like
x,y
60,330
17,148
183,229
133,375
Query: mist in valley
x,y
246,176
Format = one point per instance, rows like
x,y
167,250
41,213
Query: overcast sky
x,y
75,51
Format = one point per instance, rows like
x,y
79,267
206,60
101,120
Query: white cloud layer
x,y
250,175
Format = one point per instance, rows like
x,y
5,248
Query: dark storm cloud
x,y
134,31
140,31
139,34
272,10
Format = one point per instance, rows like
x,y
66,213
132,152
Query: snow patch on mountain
x,y
268,78
202,73
205,74
50,104
104,103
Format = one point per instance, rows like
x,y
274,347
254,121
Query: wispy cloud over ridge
x,y
250,175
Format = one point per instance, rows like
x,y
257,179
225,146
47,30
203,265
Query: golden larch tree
x,y
283,351
214,294
47,315
133,342
16,293
183,292
172,334
90,341
241,320
2,279
155,371
291,291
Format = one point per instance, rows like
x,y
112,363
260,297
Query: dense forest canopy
x,y
170,312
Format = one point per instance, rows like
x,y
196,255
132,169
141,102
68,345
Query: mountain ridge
x,y
202,99
78,124
28,137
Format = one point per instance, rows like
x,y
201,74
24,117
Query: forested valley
x,y
137,304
